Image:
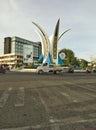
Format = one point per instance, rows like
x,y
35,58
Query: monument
x,y
50,45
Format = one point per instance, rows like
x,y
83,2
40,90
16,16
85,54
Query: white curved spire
x,y
50,45
63,33
45,39
42,42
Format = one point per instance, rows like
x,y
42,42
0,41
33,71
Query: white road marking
x,y
46,107
20,97
83,87
91,95
42,101
75,100
4,97
65,94
54,126
68,96
90,89
24,128
19,128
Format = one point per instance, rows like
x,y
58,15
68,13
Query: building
x,y
7,45
11,59
18,48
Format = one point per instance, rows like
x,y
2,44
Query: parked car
x,y
94,70
88,70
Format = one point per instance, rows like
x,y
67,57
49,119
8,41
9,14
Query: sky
x,y
16,18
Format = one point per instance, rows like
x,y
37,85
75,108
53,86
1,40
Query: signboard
x,y
28,54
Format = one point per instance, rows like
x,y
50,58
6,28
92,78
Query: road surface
x,y
29,101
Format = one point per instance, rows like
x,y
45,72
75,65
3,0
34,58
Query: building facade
x,y
7,45
17,47
11,59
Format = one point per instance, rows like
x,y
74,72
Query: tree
x,y
83,63
70,58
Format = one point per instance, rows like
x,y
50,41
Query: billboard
x,y
27,54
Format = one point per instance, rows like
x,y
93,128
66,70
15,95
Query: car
x,y
94,70
88,70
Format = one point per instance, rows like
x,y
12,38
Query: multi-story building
x,y
7,46
26,50
11,59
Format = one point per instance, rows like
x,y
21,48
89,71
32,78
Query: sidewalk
x,y
34,70
23,70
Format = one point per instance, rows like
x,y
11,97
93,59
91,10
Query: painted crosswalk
x,y
55,126
4,97
48,101
20,97
53,94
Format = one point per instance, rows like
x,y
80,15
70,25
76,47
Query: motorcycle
x,y
88,70
2,70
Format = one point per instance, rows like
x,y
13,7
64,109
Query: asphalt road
x,y
65,101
